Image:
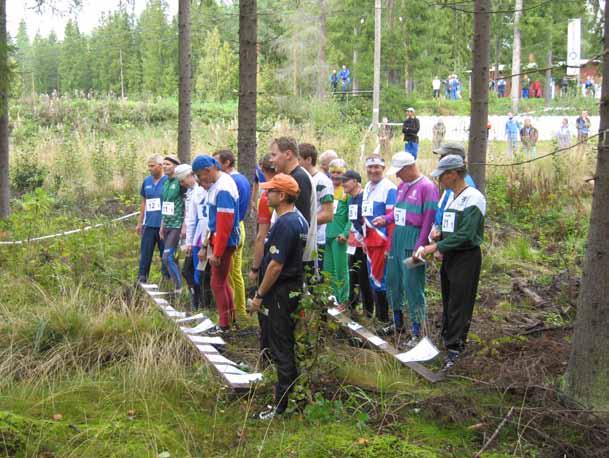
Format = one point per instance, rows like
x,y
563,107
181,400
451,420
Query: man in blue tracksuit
x,y
149,220
512,131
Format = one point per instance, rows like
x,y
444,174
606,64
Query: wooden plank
x,y
377,342
235,379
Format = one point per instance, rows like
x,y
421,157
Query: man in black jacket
x,y
411,128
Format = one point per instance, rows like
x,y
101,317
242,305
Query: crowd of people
x,y
317,221
343,78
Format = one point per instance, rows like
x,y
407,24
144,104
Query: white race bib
x,y
168,208
448,222
335,204
367,208
353,212
399,215
351,249
153,205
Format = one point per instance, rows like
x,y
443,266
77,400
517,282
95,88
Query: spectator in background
x,y
512,129
345,78
324,160
564,86
535,89
334,80
589,87
410,128
501,84
563,135
582,123
385,136
435,85
438,132
526,83
529,136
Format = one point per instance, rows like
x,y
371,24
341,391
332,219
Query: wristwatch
x,y
257,295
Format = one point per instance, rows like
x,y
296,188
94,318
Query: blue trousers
x,y
412,148
150,239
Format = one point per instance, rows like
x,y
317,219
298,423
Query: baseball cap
x,y
204,162
450,162
450,148
410,109
282,182
401,160
351,175
375,160
182,171
172,158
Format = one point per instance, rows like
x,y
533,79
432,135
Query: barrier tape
x,y
73,231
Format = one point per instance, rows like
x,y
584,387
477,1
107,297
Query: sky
x,y
88,15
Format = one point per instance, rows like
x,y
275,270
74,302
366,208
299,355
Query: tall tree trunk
x,y
497,59
479,93
246,136
321,55
354,81
516,57
548,92
4,84
588,369
185,57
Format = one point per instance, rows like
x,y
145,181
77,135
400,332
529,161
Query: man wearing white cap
x,y
378,201
459,242
413,216
410,128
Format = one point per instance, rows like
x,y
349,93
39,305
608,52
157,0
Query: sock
x,y
416,329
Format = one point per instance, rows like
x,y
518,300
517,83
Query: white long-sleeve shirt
x,y
196,215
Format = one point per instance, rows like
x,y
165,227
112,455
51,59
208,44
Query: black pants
x,y
459,275
381,306
358,276
277,331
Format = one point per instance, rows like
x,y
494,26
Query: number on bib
x,y
399,215
153,205
353,212
367,208
350,249
168,208
448,222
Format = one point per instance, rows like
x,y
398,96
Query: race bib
x,y
448,222
153,205
168,208
399,215
353,212
351,250
367,208
335,204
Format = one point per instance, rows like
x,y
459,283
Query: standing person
x,y
410,128
512,129
589,87
529,137
285,159
358,265
194,194
378,200
345,78
582,123
564,86
501,84
172,219
325,198
337,234
563,135
199,241
223,223
226,159
333,81
435,85
281,278
385,135
324,160
149,219
413,215
459,243
264,217
438,132
526,84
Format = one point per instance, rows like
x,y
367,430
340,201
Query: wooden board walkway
x,y
378,343
193,329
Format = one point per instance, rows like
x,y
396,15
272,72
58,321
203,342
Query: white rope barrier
x,y
70,232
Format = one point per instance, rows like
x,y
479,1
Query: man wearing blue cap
x,y
459,243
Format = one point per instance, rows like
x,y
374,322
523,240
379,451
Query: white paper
x,y
334,311
352,212
160,301
424,351
198,316
399,216
167,308
376,340
149,285
217,358
228,369
168,209
354,326
206,325
175,314
206,348
215,340
242,379
153,205
201,340
158,293
448,222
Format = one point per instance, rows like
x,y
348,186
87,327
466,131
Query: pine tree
x,y
218,69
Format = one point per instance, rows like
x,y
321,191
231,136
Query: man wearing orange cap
x,y
281,275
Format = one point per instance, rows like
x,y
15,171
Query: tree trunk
x,y
185,56
321,55
4,179
354,81
479,93
588,369
376,90
516,57
548,92
246,136
497,59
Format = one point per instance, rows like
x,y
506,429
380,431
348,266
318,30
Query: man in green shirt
x,y
172,211
459,243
